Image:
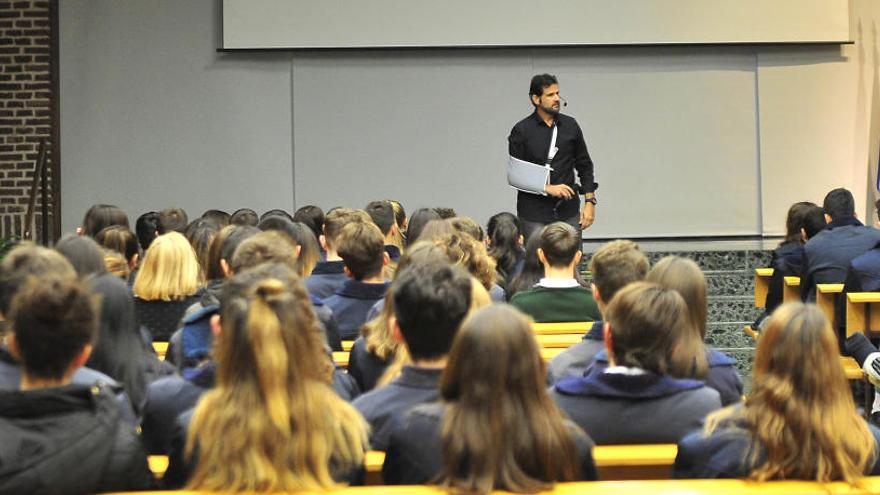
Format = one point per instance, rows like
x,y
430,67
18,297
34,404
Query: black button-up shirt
x,y
529,140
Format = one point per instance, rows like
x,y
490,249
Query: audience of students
x,y
799,421
168,282
362,249
558,296
635,399
495,427
862,275
828,254
613,266
430,301
271,423
57,436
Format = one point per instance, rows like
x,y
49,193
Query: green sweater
x,y
566,304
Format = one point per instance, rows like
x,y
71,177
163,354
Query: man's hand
x,y
559,191
588,214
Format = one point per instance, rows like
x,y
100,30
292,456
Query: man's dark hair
x,y
839,203
219,217
172,220
312,217
362,248
813,221
382,214
244,216
146,228
539,83
560,243
53,319
430,301
28,260
276,213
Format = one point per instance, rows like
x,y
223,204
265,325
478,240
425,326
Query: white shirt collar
x,y
625,370
557,283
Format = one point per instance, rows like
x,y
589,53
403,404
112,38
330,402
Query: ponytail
x,y
270,356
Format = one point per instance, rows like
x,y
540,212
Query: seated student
x,y
862,275
558,296
100,216
312,217
172,220
245,217
56,436
532,270
635,400
495,410
828,253
613,265
328,275
717,369
84,254
361,247
382,214
470,254
219,217
201,233
505,243
168,282
147,228
430,301
799,421
417,222
21,263
804,220
122,241
271,423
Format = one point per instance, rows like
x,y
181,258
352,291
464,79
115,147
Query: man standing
x,y
531,140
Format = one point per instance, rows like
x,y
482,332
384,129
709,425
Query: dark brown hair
x,y
119,239
337,218
270,245
501,431
101,216
560,243
361,246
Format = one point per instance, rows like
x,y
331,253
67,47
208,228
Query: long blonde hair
x,y
170,270
800,413
272,423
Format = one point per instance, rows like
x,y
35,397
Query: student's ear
x,y
609,343
541,257
80,360
322,239
577,257
596,296
804,234
134,261
386,259
216,326
347,272
12,345
297,251
827,218
521,240
395,329
80,231
224,265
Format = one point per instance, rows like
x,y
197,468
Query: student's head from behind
x,y
121,240
467,226
223,247
335,220
170,270
277,212
615,265
470,254
495,375
430,301
362,248
25,261
641,323
417,222
800,410
83,253
264,247
382,214
244,216
560,245
795,220
100,216
200,233
147,228
172,220
312,217
54,323
814,221
219,217
839,203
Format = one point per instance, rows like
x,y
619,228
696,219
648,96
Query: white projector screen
x,y
279,24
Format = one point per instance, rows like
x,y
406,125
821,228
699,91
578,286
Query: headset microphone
x,y
564,101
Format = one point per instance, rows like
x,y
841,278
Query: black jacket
x,y
364,366
415,449
68,440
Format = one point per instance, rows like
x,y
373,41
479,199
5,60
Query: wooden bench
x,y
158,465
560,341
851,368
791,289
870,485
862,312
346,345
826,296
562,328
161,349
762,285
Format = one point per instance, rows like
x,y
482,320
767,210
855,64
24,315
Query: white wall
x,y
152,116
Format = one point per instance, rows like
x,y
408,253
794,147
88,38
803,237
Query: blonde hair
x,y
272,423
169,271
800,413
116,264
470,254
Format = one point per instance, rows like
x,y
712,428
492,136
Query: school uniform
x,y
575,360
351,303
553,300
326,277
365,367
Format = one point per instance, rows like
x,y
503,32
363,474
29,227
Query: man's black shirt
x,y
529,140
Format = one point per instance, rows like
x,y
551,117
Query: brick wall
x,y
27,108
